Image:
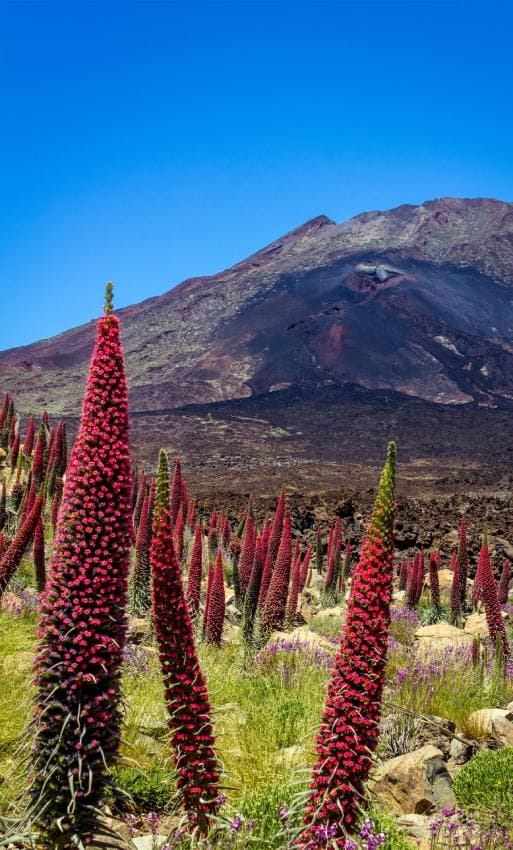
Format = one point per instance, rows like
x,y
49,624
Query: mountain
x,y
417,300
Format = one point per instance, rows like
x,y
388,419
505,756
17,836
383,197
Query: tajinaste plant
x,y
39,555
305,566
178,534
11,559
82,625
349,730
195,572
28,443
434,584
273,614
216,604
490,597
38,461
185,688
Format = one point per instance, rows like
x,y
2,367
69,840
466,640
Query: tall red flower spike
x,y
179,533
305,564
11,559
185,688
195,572
82,625
434,583
349,730
411,584
38,461
490,597
39,555
504,582
216,604
273,614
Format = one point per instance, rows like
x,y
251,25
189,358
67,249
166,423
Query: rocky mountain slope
x,y
416,301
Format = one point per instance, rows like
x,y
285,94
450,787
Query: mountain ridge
x,y
414,299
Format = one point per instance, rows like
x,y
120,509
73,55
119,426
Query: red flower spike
x,y
188,706
82,625
178,533
304,568
273,614
434,583
11,559
195,572
39,555
349,730
490,597
216,604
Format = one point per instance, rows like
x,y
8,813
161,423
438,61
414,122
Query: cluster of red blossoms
x,y
188,706
82,618
350,724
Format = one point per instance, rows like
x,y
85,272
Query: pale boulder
x,y
414,783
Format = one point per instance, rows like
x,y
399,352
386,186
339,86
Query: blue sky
x,y
149,142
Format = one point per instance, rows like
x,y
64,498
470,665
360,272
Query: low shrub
x,y
484,786
152,789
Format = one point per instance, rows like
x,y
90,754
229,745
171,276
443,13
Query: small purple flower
x,y
131,822
284,812
153,820
236,823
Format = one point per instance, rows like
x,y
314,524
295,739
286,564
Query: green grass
x,y
265,726
16,654
452,691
